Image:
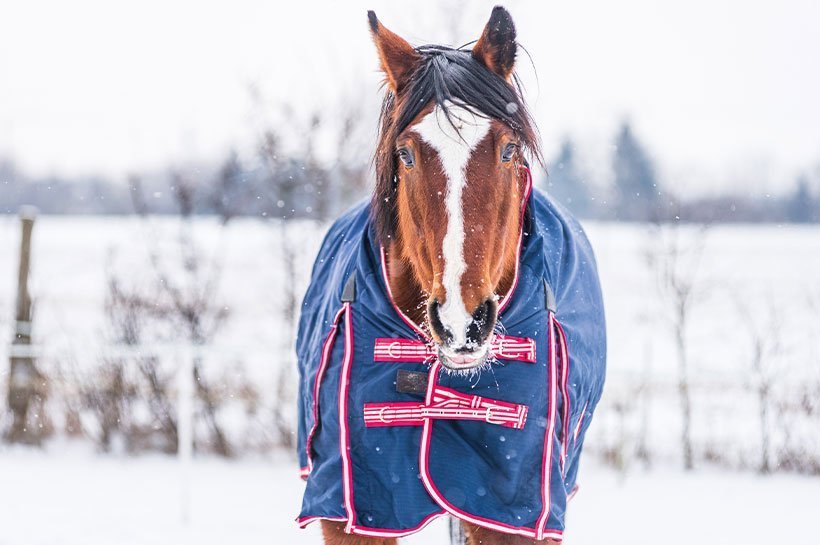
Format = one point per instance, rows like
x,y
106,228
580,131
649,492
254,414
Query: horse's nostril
x,y
485,312
482,312
483,323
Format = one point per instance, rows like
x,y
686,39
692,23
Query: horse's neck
x,y
407,293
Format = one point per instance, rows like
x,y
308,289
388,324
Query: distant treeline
x,y
277,188
637,194
271,183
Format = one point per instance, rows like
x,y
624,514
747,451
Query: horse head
x,y
451,182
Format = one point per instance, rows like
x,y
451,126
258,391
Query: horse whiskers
x,y
471,373
495,379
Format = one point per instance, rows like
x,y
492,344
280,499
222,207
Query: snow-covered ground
x,y
771,270
753,284
68,496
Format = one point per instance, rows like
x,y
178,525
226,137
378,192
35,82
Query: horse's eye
x,y
507,152
406,156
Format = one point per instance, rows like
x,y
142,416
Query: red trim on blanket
x,y
415,327
507,298
303,522
447,405
398,350
546,465
381,532
562,341
540,531
580,422
344,433
327,348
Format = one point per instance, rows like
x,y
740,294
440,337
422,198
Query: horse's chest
x,y
410,440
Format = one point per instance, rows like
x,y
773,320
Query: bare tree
x,y
796,407
290,314
623,449
189,300
302,182
318,166
643,395
289,306
675,264
128,311
766,345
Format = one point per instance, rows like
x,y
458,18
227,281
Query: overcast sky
x,y
723,92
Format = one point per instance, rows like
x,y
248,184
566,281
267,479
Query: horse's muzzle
x,y
471,349
463,361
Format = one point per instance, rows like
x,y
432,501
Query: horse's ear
x,y
496,47
398,58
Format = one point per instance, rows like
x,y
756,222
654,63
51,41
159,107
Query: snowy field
x,y
771,271
753,287
77,498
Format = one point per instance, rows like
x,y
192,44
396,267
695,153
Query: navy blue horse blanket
x,y
499,448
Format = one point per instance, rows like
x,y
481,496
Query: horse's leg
x,y
335,535
477,535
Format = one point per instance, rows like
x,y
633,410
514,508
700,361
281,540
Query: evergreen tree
x,y
637,194
565,183
801,206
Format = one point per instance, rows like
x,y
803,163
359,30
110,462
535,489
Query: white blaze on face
x,y
454,145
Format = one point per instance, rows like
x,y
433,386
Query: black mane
x,y
448,77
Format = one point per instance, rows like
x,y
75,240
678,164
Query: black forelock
x,y
450,76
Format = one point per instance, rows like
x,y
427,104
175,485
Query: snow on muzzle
x,y
463,340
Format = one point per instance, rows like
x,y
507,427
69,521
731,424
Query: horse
x,y
468,312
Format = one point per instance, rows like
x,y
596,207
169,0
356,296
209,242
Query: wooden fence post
x,y
25,383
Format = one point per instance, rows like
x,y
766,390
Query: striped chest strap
x,y
399,350
447,404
